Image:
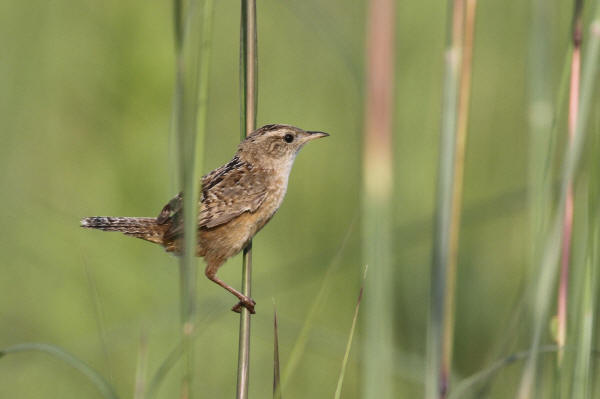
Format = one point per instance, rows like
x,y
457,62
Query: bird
x,y
236,200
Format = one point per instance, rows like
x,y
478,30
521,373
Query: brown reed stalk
x,y
561,315
459,161
457,87
248,84
547,269
377,199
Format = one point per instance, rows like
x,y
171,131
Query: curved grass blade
x,y
276,375
164,368
338,390
95,378
173,358
317,303
486,374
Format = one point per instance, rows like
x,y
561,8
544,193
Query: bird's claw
x,y
247,303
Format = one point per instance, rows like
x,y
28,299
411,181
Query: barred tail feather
x,y
145,228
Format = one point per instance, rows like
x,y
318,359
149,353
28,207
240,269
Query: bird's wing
x,y
237,191
171,209
227,192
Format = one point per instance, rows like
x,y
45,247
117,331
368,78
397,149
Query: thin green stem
x,y
484,375
561,313
338,389
457,82
248,84
192,38
140,385
276,369
548,266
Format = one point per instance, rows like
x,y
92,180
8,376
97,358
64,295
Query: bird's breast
x,y
273,199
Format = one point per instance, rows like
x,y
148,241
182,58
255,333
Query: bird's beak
x,y
315,135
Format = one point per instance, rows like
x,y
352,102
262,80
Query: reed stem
x,y
377,199
563,284
248,85
457,88
192,34
547,269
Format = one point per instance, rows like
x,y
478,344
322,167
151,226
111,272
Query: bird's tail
x,y
145,228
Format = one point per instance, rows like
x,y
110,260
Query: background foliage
x,y
86,91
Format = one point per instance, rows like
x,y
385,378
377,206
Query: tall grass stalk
x,y
190,20
561,314
547,270
541,122
377,200
582,384
276,368
140,384
248,86
455,111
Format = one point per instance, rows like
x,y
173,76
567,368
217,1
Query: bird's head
x,y
275,146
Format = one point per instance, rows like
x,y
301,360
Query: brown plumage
x,y
236,201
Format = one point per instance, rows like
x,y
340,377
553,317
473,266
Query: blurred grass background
x,y
85,106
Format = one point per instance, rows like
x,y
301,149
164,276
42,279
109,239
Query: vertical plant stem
x,y
547,269
191,19
248,84
457,88
459,160
276,373
563,284
139,388
582,385
377,199
541,126
439,278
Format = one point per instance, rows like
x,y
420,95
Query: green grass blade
x,y
582,384
173,357
338,389
140,385
548,266
164,369
192,44
484,376
316,305
276,374
95,378
581,379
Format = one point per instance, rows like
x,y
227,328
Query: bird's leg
x,y
245,301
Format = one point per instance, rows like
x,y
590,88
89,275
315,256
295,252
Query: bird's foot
x,y
245,302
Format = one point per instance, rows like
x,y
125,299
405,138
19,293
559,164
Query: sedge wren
x,y
236,201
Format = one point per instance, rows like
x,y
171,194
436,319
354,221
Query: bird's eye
x,y
288,138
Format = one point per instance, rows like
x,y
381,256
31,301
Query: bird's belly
x,y
227,240
222,242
